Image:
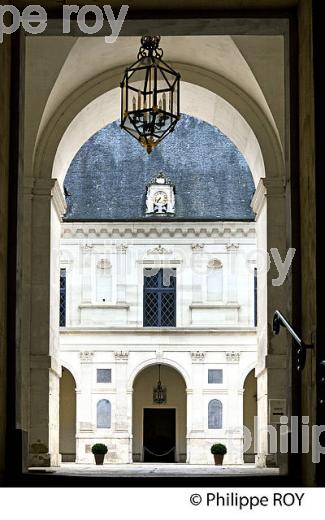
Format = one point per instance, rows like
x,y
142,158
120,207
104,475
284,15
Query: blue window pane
x,y
104,375
159,298
103,414
215,414
215,376
63,297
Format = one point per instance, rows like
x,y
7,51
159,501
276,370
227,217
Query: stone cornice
x,y
118,230
156,330
104,306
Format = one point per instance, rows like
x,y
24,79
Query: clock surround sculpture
x,y
160,197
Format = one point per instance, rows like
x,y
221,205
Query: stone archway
x,y
67,416
159,430
45,205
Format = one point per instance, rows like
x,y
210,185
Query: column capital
x,y
232,357
86,356
121,357
259,199
198,357
232,248
197,248
86,248
58,199
121,248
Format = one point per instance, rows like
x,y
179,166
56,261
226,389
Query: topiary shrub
x,y
218,449
99,448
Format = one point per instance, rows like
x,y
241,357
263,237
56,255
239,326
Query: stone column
x,y
121,405
48,205
129,398
196,407
121,361
232,250
86,293
198,269
233,410
273,352
121,272
84,402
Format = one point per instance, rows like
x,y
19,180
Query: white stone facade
x,y
105,265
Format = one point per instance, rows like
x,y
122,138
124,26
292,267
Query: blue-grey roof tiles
x,y
107,179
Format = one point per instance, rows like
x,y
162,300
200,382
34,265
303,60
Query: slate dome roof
x,y
107,178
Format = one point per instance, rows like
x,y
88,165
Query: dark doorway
x,y
159,428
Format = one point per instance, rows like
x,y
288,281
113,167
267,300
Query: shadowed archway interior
x,y
159,430
67,416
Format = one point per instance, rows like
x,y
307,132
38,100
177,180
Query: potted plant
x,y
99,450
218,451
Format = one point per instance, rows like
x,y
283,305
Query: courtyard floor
x,y
156,470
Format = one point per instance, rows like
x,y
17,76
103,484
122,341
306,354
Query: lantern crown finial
x,y
150,43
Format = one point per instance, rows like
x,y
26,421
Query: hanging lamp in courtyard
x,y
159,392
150,93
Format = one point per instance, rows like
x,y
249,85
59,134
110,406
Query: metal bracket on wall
x,y
280,321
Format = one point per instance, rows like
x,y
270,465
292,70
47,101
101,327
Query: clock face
x,y
160,197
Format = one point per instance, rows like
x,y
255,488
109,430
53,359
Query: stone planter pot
x,y
99,458
218,459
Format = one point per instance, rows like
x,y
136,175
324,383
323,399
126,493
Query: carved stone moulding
x,y
198,357
159,250
215,263
86,356
104,263
233,357
197,247
121,356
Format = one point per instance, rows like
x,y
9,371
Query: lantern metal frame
x,y
159,395
150,96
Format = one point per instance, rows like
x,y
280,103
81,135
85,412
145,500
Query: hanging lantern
x,y
159,392
150,96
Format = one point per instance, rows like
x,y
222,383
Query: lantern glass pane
x,y
150,107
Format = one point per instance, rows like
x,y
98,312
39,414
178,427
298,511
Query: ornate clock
x,y
160,198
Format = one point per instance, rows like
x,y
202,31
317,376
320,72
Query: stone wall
x,y
308,220
4,176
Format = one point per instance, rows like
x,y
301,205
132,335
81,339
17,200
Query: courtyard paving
x,y
156,470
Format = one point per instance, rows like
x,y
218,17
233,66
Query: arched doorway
x,y
159,430
250,412
67,416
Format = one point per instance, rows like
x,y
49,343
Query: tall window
x,y
215,280
215,414
103,414
159,298
63,297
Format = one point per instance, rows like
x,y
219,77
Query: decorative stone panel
x,y
233,357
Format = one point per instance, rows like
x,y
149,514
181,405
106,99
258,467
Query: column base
x,y
44,460
264,460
